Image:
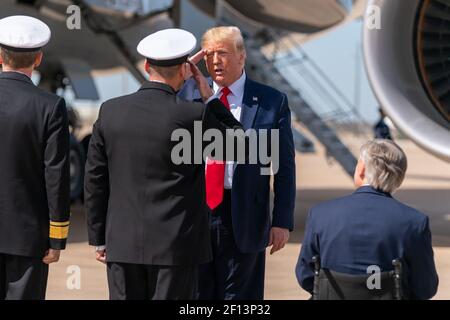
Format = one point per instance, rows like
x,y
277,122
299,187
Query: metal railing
x,y
316,87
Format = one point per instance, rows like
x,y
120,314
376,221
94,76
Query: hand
x,y
278,239
52,255
195,59
100,255
202,84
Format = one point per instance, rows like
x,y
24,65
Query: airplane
x,y
406,62
409,69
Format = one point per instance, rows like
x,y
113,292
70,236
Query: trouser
x,y
151,282
22,278
232,275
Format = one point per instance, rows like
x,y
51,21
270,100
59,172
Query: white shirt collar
x,y
236,88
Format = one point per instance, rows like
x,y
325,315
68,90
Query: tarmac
x,y
426,187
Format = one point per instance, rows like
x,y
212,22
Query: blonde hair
x,y
221,34
385,164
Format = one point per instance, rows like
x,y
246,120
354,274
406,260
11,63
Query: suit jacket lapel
x,y
250,105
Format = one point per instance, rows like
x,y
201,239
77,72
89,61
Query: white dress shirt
x,y
235,101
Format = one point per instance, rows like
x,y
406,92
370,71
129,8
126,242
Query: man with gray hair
x,y
370,227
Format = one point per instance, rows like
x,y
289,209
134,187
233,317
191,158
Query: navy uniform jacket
x,y
367,228
263,107
34,168
146,209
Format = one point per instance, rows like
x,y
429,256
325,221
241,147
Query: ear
x,y
362,170
183,70
147,66
243,57
360,174
38,60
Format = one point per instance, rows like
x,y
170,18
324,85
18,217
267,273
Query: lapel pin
x,y
255,99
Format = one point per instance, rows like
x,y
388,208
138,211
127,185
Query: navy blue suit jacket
x,y
366,228
263,107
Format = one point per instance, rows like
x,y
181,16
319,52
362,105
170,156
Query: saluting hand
x,y
278,239
52,255
202,84
100,255
195,59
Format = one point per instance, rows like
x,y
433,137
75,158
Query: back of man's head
x,y
17,60
167,73
166,52
385,164
21,41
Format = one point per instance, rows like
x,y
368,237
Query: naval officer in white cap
x,y
146,215
34,167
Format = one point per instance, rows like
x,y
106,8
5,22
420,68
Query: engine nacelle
x,y
304,16
408,64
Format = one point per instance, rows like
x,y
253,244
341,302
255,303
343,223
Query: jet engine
x,y
408,62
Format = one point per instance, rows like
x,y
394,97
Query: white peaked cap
x,y
167,47
23,33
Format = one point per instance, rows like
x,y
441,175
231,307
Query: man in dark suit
x,y
146,214
34,167
238,195
381,129
371,228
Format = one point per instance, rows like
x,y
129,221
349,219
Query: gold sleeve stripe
x,y
59,224
59,232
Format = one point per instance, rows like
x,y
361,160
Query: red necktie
x,y
215,170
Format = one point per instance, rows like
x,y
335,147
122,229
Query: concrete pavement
x,y
426,187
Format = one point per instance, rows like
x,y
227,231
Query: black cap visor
x,y
167,63
20,49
